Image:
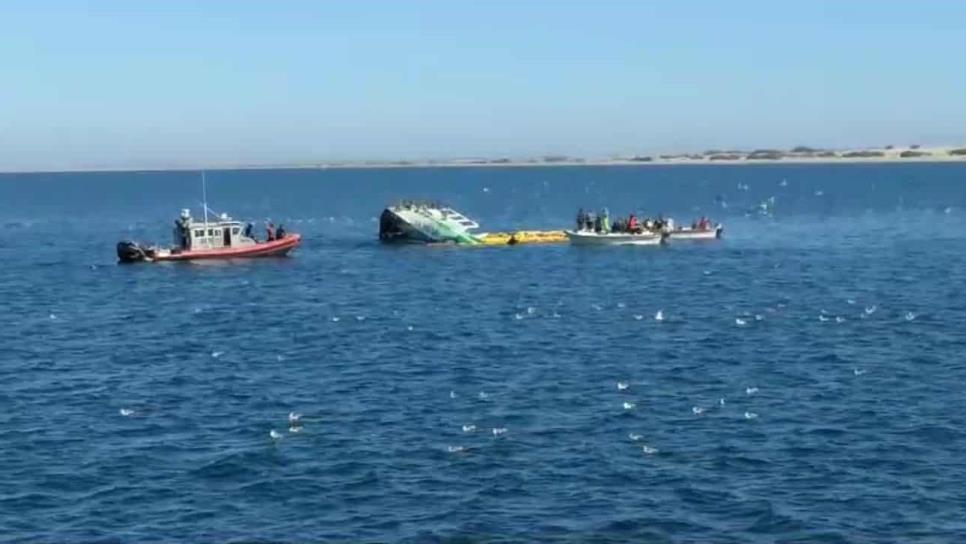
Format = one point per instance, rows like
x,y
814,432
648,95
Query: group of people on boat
x,y
271,232
702,223
600,223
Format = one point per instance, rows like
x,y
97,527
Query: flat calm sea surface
x,y
804,385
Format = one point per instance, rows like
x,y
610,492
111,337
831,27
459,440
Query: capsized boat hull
x,y
696,234
586,238
131,252
426,224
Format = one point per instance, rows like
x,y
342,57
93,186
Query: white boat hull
x,y
585,238
696,234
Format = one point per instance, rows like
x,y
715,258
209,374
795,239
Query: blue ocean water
x,y
805,384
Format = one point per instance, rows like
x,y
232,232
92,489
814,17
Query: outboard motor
x,y
131,252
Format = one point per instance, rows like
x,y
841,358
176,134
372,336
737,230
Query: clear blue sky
x,y
175,82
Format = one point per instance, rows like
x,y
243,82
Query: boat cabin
x,y
222,232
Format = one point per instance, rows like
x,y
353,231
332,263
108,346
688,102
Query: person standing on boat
x,y
248,231
581,219
280,233
632,223
270,231
605,220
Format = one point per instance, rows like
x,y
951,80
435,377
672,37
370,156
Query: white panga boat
x,y
591,238
687,233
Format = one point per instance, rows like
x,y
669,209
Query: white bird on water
x,y
721,401
127,412
638,317
858,371
697,410
629,405
740,322
869,310
217,354
839,319
648,449
751,390
469,428
659,316
499,431
275,434
634,436
910,316
294,417
622,386
295,429
750,415
822,318
455,449
452,394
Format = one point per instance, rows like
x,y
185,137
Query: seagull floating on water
x,y
740,322
621,386
294,417
721,401
295,429
750,415
822,318
869,310
629,405
499,431
217,354
127,412
648,449
335,319
469,428
858,371
634,436
696,410
751,390
839,319
659,316
452,394
455,449
910,316
638,317
275,434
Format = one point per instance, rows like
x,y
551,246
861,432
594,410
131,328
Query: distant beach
x,y
797,155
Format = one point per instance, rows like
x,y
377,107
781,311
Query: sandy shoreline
x,y
894,155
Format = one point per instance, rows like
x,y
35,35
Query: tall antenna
x,y
204,202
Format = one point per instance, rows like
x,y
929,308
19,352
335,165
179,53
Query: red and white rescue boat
x,y
223,238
